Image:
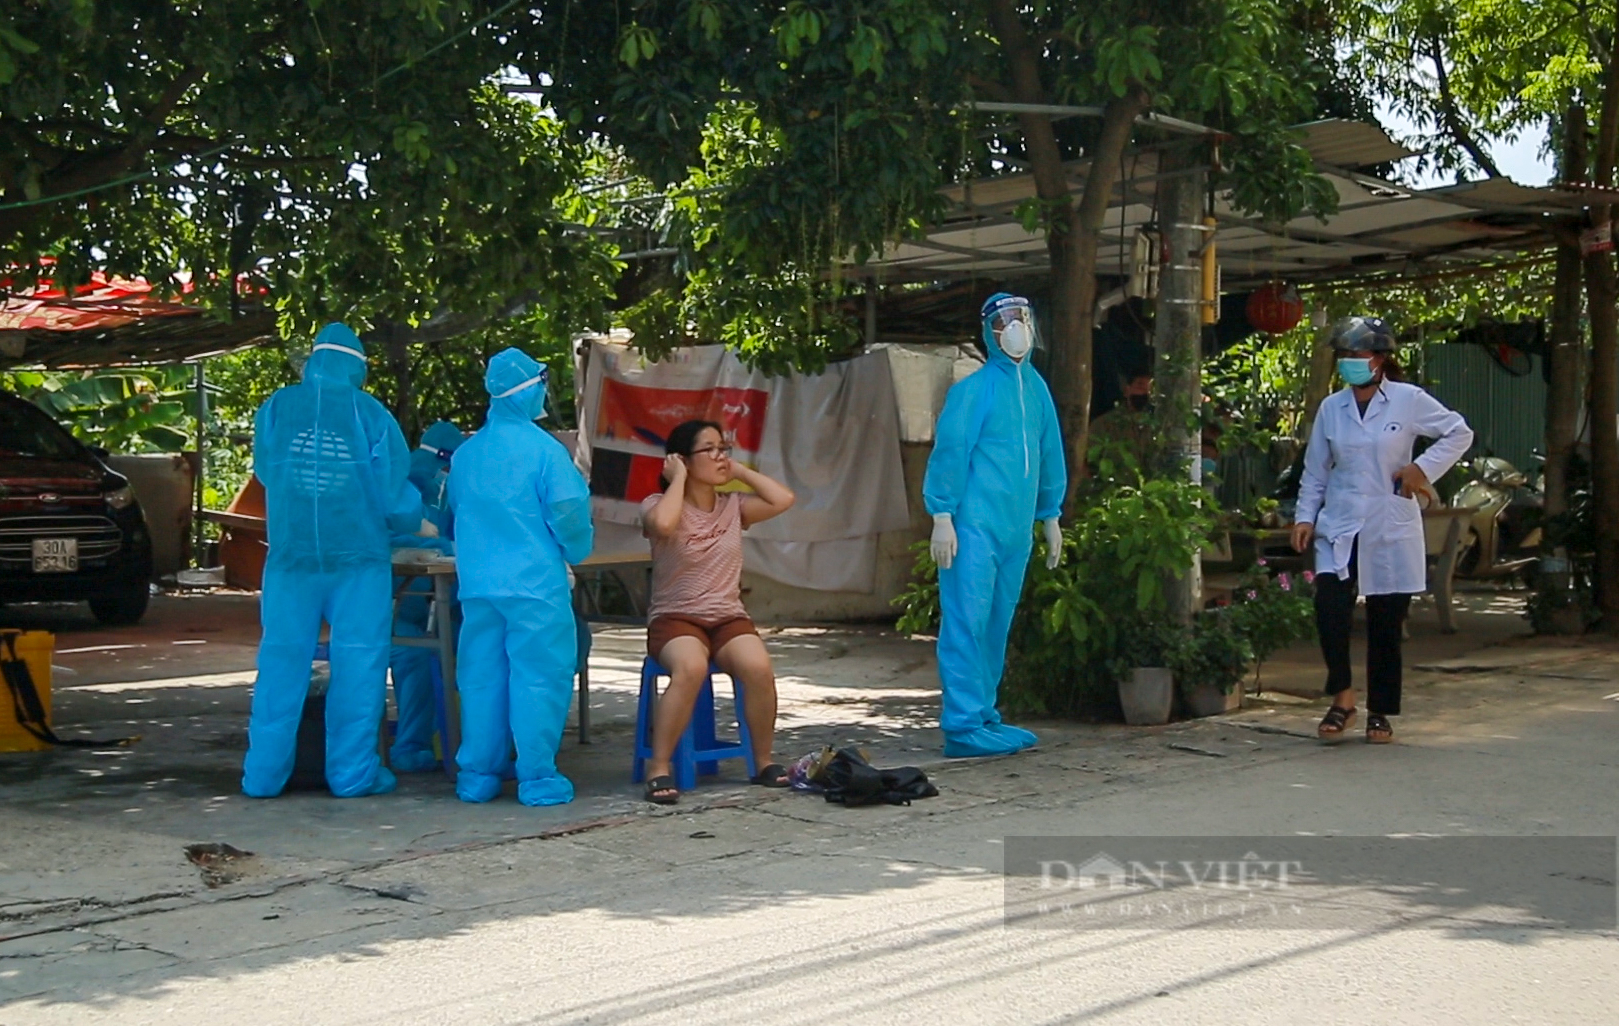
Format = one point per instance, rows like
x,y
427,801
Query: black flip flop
x,y
662,791
773,775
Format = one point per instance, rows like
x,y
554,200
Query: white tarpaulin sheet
x,y
833,438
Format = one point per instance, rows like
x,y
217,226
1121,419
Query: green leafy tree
x,y
839,122
1507,65
350,157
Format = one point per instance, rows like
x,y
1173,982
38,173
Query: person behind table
x,y
412,667
334,465
521,514
1357,504
696,614
1129,425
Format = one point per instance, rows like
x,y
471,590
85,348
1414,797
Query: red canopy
x,y
106,302
113,321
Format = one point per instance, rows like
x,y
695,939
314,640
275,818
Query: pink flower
x,y
1252,593
1309,577
1284,582
1261,562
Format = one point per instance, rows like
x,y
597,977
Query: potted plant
x,y
1148,651
1212,662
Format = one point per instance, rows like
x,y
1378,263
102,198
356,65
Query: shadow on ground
x,y
98,900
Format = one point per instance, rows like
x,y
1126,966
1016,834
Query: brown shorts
x,y
664,629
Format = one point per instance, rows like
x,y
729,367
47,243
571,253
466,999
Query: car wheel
x,y
122,607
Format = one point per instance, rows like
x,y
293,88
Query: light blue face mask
x,y
1355,370
1211,467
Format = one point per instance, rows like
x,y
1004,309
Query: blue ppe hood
x,y
993,305
337,358
516,383
443,436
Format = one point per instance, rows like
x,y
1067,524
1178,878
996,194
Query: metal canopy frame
x,y
1380,226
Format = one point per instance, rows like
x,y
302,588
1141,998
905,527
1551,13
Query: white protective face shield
x,y
1013,328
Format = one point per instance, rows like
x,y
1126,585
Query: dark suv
x,y
70,527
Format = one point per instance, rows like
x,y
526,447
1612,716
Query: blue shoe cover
x,y
975,743
412,760
252,792
382,783
1023,738
552,790
476,787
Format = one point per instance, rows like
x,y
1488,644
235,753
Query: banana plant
x,y
149,409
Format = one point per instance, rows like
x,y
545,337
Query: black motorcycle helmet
x,y
1372,334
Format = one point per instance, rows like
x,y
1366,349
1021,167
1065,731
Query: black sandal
x,y
1378,729
662,791
773,775
1335,722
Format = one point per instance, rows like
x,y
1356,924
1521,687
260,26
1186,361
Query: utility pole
x,y
871,311
198,537
1178,337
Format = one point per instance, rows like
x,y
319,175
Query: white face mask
x,y
1015,340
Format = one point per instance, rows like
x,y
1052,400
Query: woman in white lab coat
x,y
1357,505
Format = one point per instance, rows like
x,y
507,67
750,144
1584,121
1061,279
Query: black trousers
x,y
1385,618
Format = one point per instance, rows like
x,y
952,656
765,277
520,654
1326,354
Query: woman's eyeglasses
x,y
718,452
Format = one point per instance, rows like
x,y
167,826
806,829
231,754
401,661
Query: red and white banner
x,y
833,438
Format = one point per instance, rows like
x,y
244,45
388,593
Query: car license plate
x,y
56,555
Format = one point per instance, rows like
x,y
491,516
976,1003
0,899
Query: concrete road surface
x,y
752,907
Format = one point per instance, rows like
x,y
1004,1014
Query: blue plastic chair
x,y
698,751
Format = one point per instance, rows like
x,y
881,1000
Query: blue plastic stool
x,y
698,751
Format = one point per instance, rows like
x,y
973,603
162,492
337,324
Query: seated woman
x,y
696,612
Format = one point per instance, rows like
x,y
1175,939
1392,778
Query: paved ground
x,y
749,906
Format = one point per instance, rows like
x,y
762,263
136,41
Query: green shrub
x,y
1075,622
1215,651
1103,611
1273,612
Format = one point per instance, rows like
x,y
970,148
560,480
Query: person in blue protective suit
x,y
522,514
412,667
333,464
997,467
430,470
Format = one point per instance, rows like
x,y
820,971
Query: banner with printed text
x,y
833,438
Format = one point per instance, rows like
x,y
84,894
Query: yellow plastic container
x,y
34,648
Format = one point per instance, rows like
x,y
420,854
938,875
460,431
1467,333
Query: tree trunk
x,y
1602,293
1565,352
1564,357
1072,233
397,347
1322,363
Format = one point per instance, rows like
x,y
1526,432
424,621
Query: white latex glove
x,y
943,547
427,530
1053,543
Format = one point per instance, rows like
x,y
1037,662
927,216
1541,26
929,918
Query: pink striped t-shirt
x,y
697,573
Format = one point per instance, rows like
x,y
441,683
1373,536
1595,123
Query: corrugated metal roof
x,y
1379,226
1505,193
1351,144
141,342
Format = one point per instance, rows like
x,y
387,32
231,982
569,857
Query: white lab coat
x,y
1348,485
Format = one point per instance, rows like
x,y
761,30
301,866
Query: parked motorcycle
x,y
1503,535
